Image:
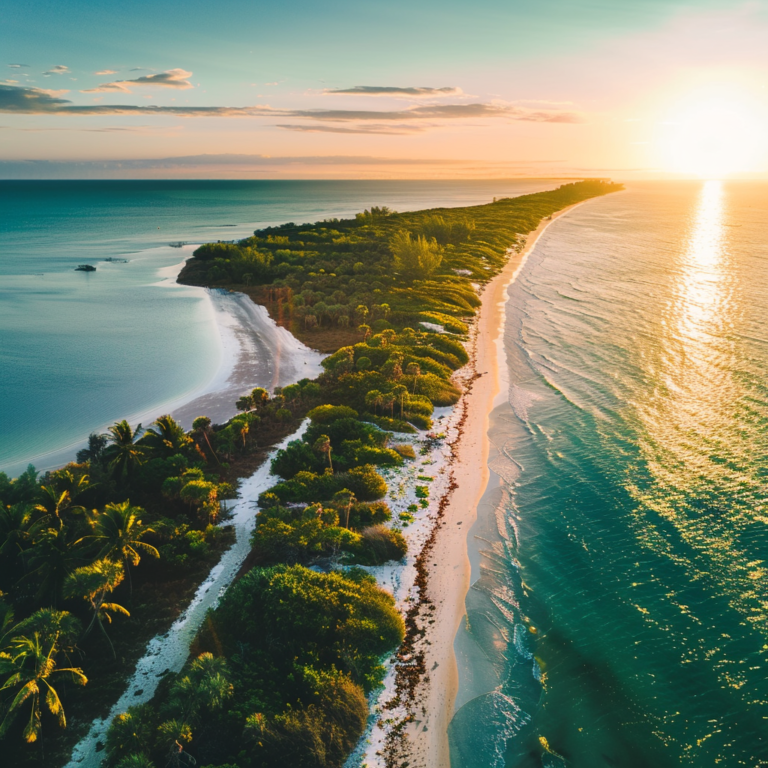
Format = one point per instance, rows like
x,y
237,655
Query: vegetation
x,y
280,670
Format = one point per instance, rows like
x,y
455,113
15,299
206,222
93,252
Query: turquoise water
x,y
619,614
79,351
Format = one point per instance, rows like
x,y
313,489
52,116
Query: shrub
x,y
324,414
422,422
378,545
405,450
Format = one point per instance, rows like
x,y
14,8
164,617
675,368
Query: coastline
x,y
449,568
253,352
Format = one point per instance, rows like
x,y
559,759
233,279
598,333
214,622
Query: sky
x,y
418,89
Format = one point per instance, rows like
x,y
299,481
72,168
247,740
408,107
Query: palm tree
x,y
15,523
29,668
166,436
388,401
124,452
374,398
201,426
345,498
205,687
93,583
53,557
49,623
119,532
323,445
51,508
366,331
414,369
400,391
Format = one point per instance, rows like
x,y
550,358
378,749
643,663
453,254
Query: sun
x,y
714,135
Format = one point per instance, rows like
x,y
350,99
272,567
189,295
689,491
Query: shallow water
x,y
79,351
619,611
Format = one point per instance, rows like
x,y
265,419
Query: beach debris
x,y
85,268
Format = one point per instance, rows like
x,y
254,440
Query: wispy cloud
x,y
172,78
106,72
396,130
25,100
18,66
388,90
59,69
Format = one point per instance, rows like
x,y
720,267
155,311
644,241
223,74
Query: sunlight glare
x,y
714,135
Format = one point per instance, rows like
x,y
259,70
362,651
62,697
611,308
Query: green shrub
x,y
379,544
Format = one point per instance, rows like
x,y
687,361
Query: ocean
x,y
79,351
619,609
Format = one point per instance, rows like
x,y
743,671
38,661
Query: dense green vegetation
x,y
279,672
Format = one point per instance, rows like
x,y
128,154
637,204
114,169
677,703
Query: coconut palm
x,y
49,623
201,427
323,445
166,436
93,583
51,508
15,535
53,557
118,532
29,668
365,330
388,401
124,452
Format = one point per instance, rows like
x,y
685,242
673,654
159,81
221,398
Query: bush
x,y
405,450
324,414
378,545
296,457
422,422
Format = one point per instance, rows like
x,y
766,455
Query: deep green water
x,y
79,351
619,615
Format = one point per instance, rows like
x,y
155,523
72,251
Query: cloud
x,y
59,69
172,78
106,72
397,130
24,100
381,90
18,66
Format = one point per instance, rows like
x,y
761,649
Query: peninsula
x,y
283,670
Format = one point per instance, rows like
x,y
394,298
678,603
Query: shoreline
x,y
449,569
253,352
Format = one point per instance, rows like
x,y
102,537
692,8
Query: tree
x,y
201,426
166,436
93,583
203,496
362,313
365,329
52,507
260,397
96,445
417,258
15,537
205,687
323,445
29,668
52,558
414,369
374,398
124,453
400,391
131,734
388,401
244,403
345,499
118,532
363,363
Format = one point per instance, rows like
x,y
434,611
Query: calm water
x,y
80,351
621,614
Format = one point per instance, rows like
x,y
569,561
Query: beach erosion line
x,y
426,692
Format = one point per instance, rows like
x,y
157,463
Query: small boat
x,y
85,268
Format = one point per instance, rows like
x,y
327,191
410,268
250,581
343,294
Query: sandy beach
x,y
446,563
